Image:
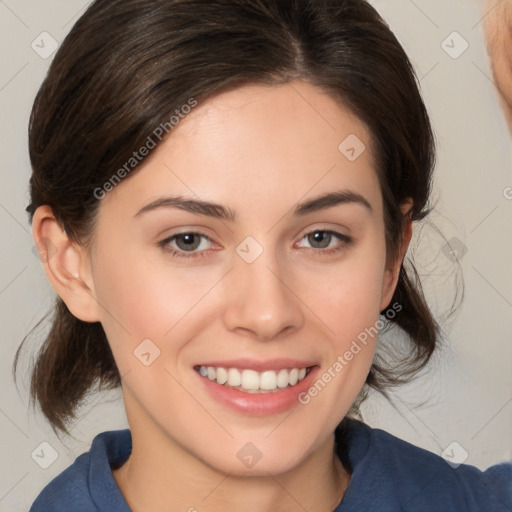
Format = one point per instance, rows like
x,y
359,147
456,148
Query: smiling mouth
x,y
251,381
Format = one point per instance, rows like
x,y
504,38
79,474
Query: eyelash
x,y
179,254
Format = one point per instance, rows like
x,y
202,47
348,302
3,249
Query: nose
x,y
261,300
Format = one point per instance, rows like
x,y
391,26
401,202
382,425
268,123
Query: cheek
x,y
348,296
143,300
349,310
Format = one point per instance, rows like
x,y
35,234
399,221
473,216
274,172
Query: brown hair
x,y
127,65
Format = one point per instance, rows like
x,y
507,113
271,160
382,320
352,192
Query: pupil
x,y
321,236
188,240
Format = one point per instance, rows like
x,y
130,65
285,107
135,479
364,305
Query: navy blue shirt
x,y
388,474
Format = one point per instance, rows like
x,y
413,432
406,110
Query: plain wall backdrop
x,y
462,406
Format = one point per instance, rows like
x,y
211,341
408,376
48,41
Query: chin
x,y
258,468
257,458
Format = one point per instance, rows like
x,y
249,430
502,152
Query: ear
x,y
392,271
67,265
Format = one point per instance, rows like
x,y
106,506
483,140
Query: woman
x,y
222,195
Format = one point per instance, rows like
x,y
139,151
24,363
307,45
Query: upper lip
x,y
259,365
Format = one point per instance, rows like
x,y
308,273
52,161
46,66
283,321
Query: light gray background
x,y
467,392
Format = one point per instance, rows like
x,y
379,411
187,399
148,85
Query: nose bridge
x,y
259,298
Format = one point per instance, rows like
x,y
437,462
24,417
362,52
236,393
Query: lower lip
x,y
258,404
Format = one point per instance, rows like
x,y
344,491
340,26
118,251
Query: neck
x,y
161,475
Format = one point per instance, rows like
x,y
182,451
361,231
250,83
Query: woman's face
x,y
277,291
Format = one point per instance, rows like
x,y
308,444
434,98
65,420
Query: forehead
x,y
287,112
285,142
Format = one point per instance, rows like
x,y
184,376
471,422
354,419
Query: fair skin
x,y
258,151
498,33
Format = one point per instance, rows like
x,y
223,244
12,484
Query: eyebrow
x,y
218,211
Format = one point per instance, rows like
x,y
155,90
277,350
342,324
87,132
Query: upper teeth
x,y
250,380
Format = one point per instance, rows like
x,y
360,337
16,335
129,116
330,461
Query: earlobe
x,y
66,265
392,273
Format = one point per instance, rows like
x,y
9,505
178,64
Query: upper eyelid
x,y
341,236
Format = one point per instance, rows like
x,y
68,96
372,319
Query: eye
x,y
322,239
187,242
189,245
